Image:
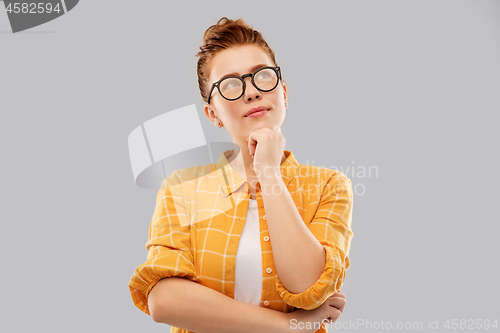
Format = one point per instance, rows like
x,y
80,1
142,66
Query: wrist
x,y
272,186
270,178
268,173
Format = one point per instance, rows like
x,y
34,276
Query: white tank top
x,y
248,271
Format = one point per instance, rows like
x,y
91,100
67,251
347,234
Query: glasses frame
x,y
277,70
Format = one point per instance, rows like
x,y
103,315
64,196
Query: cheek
x,y
279,100
227,114
279,94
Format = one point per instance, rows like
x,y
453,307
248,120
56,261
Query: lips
x,y
257,109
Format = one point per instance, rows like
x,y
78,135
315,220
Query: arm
x,y
168,274
185,304
296,247
168,245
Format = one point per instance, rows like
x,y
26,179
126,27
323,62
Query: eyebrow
x,y
253,69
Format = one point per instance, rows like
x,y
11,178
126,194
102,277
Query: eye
x,y
231,88
265,75
232,84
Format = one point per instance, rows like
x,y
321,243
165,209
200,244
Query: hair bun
x,y
223,24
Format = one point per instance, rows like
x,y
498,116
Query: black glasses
x,y
233,87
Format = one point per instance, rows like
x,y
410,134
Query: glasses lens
x,y
231,88
266,79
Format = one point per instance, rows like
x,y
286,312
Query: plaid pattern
x,y
186,241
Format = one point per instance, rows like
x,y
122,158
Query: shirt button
x,y
266,303
228,273
269,270
264,217
266,238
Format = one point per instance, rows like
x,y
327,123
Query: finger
x,y
337,302
334,314
340,308
338,294
251,148
248,144
252,144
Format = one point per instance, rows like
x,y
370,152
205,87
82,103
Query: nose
x,y
250,91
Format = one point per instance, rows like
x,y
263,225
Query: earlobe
x,y
285,92
208,110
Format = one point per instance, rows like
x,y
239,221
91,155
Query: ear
x,y
285,90
210,113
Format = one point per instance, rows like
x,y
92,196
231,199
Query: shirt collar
x,y
231,181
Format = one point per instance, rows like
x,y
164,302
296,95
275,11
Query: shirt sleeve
x,y
168,245
331,225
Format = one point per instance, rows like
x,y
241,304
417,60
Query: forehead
x,y
237,59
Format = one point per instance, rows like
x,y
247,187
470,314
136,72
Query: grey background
x,y
411,87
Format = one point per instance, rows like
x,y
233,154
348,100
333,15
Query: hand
x,y
266,146
328,312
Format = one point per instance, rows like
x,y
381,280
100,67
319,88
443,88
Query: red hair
x,y
223,35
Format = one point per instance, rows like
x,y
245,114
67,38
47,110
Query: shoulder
x,y
187,174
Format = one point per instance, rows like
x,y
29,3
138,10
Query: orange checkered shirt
x,y
194,234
